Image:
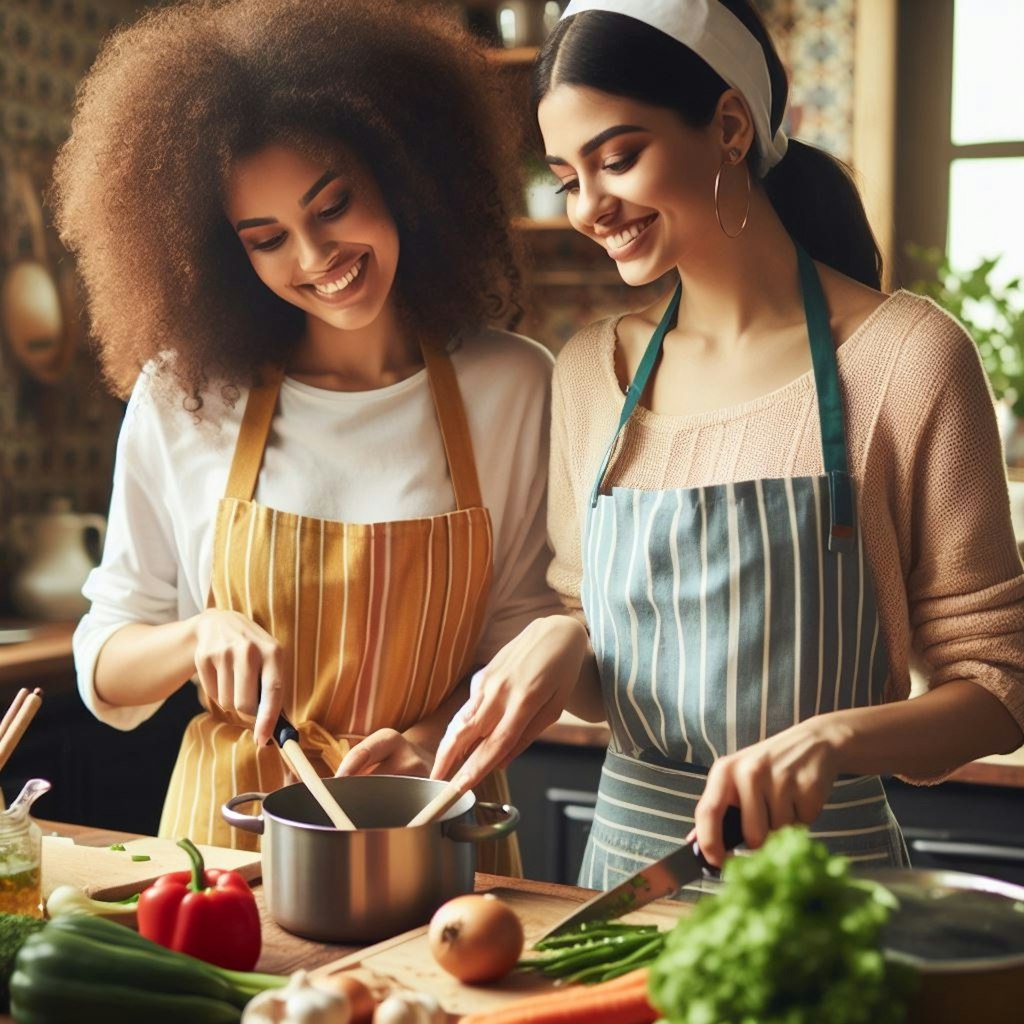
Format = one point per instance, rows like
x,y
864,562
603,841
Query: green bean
x,y
596,951
600,954
597,930
605,972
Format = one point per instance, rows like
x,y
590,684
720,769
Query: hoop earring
x,y
734,156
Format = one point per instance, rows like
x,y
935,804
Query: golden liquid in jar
x,y
19,892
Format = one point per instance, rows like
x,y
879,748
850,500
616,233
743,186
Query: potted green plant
x,y
993,314
540,190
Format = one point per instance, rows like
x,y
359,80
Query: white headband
x,y
715,34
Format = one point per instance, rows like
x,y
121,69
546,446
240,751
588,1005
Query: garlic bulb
x,y
299,1002
409,1008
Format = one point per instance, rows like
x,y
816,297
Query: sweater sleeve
x,y
136,580
965,587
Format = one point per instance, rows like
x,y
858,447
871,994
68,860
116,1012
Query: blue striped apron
x,y
720,616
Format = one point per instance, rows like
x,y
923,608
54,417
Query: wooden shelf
x,y
547,224
513,55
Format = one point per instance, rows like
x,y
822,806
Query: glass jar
x,y
20,863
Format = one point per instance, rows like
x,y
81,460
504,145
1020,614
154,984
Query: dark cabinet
x,y
554,786
962,826
100,775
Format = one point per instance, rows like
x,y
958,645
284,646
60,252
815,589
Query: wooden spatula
x,y
287,737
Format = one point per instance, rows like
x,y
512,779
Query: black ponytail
x,y
817,201
812,192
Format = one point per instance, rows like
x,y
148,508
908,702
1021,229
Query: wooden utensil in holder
x,y
14,723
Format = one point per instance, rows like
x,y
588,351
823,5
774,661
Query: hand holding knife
x,y
663,878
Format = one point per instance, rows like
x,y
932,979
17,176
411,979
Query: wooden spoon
x,y
287,737
440,803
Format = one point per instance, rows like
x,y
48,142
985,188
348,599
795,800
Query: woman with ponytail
x,y
770,490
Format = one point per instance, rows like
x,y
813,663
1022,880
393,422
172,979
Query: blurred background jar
x,y
48,585
527,22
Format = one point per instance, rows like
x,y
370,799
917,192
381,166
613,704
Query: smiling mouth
x,y
330,288
622,238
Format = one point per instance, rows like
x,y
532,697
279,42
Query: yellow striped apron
x,y
380,620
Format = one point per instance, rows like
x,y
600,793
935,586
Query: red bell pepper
x,y
209,914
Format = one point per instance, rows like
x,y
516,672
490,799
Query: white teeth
x,y
342,282
624,237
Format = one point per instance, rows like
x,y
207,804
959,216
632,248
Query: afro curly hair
x,y
174,99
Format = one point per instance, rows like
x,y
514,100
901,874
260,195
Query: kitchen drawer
x,y
101,776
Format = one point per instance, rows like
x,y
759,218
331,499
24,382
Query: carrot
x,y
622,1000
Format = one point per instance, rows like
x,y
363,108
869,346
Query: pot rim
x,y
961,881
459,808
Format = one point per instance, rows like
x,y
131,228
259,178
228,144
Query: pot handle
x,y
246,822
463,832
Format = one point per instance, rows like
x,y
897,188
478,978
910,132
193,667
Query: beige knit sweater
x,y
924,453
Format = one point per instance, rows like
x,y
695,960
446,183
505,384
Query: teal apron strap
x,y
636,388
830,406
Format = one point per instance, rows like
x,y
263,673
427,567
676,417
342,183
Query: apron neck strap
x,y
639,383
451,416
252,436
830,404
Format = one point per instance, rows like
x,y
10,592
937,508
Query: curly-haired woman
x,y
292,223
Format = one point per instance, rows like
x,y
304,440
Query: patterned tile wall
x,y
56,439
815,39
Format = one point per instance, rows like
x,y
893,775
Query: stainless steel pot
x,y
377,881
963,935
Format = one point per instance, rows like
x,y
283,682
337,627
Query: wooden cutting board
x,y
112,874
405,962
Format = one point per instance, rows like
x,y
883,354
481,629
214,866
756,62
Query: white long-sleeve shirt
x,y
360,457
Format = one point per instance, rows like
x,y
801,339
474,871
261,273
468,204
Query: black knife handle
x,y
732,835
284,730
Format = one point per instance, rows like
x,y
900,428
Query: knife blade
x,y
663,878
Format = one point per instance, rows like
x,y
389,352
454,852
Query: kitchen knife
x,y
664,877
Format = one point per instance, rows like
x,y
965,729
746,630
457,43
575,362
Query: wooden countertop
x,y
46,659
283,952
46,654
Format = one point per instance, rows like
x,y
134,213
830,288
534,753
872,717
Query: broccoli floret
x,y
14,930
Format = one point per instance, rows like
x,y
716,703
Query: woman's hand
x,y
386,752
513,699
241,667
783,780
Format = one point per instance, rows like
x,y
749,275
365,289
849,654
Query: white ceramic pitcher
x,y
49,584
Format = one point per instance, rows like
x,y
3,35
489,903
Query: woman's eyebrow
x,y
307,197
609,133
311,193
254,222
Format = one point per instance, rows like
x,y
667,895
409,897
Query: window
x,y
960,133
